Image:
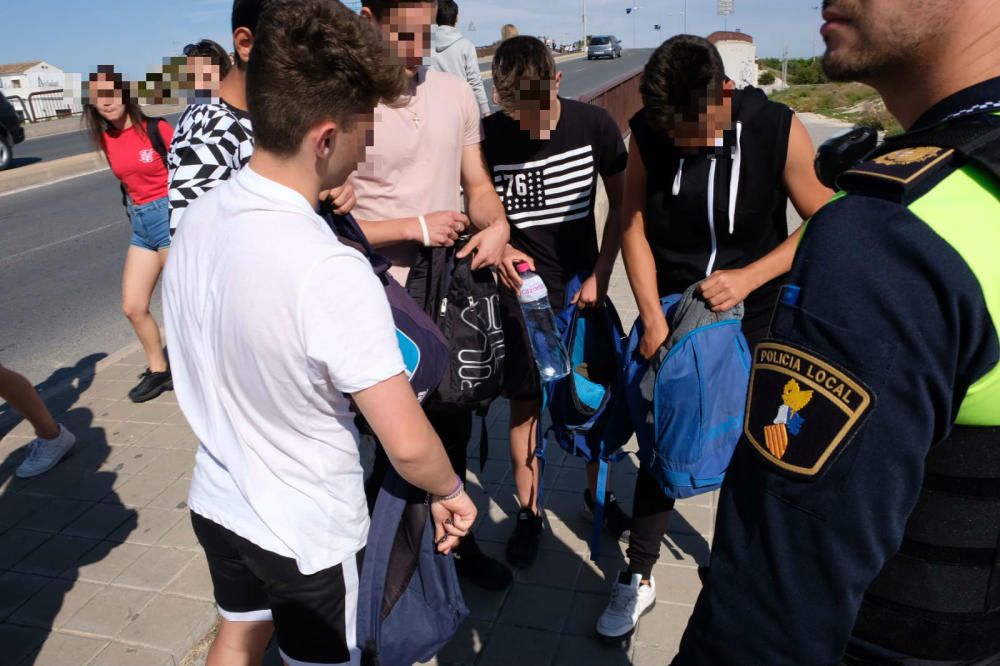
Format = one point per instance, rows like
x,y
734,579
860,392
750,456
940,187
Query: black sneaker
x,y
479,568
617,522
522,548
151,385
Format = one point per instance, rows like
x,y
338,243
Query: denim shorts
x,y
151,224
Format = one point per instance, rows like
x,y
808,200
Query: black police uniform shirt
x,y
890,321
722,209
549,187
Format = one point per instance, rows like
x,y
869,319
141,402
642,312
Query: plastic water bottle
x,y
546,343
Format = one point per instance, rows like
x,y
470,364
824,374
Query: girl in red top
x,y
119,128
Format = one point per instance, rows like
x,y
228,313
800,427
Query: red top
x,y
134,161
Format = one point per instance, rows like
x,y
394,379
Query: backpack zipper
x,y
444,307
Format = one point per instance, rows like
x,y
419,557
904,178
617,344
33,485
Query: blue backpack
x,y
425,351
409,601
589,416
688,431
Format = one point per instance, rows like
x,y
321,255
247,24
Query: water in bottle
x,y
546,343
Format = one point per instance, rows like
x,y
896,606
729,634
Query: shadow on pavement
x,y
66,386
72,518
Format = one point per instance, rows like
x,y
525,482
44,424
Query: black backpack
x,y
156,140
465,304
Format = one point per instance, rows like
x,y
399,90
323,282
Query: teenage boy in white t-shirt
x,y
278,330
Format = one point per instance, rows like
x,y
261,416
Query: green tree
x,y
766,78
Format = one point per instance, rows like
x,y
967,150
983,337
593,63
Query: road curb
x,y
46,173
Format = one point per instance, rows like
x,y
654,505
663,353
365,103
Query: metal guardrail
x,y
47,104
24,114
620,97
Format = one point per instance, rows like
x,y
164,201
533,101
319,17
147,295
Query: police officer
x,y
860,521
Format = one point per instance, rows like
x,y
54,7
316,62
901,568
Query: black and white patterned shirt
x,y
211,143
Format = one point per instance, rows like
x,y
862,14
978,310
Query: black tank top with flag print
x,y
721,210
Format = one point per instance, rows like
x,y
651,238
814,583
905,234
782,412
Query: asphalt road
x,y
62,248
47,148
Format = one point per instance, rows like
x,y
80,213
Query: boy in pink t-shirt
x,y
426,152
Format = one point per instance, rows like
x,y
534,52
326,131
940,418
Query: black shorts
x,y
315,616
520,377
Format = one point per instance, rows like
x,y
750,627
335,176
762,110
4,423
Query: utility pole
x,y
584,40
784,66
685,16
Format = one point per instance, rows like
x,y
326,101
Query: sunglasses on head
x,y
199,49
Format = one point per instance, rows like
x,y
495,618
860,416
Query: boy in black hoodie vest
x,y
710,173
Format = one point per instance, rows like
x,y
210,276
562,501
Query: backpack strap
x,y
156,140
385,523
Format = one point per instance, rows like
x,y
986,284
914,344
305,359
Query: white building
x,y
36,75
739,55
29,86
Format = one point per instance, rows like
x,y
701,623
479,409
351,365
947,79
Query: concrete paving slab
x,y
155,568
508,645
536,607
18,588
118,558
20,644
63,649
52,606
152,525
171,624
55,555
110,611
122,654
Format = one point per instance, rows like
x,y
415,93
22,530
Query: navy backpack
x,y
409,601
425,351
589,415
689,427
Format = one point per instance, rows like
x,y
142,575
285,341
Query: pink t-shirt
x,y
415,166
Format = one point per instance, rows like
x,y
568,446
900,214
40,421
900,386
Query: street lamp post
x,y
584,40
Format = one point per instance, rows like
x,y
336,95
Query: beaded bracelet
x,y
459,489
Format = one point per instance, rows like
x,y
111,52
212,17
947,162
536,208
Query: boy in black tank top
x,y
710,173
545,154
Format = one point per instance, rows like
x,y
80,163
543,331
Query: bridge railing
x,y
620,97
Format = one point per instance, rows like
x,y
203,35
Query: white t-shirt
x,y
270,321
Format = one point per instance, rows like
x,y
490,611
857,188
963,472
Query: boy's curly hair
x,y
683,76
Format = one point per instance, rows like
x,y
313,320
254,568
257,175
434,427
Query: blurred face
x,y
107,98
708,130
536,106
407,30
867,40
349,147
205,75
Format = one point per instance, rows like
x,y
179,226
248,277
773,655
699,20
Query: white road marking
x,y
58,242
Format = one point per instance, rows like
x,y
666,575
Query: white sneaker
x,y
628,603
44,454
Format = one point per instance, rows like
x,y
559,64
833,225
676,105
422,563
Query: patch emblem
x,y
801,410
904,166
909,156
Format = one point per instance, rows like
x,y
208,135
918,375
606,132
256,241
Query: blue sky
x,y
135,36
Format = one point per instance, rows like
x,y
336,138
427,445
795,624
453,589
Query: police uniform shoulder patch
x,y
897,171
801,410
